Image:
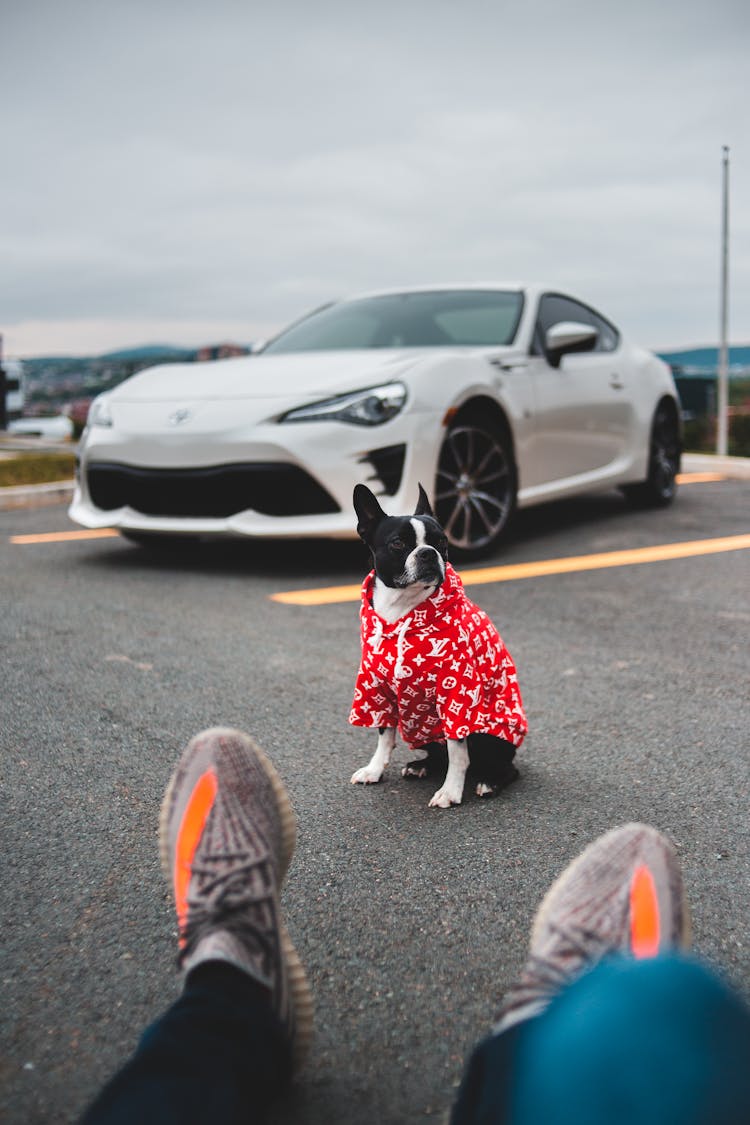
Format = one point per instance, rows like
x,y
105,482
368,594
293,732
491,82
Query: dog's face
x,y
406,550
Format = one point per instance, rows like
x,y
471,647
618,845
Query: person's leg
x,y
245,1016
623,894
218,1054
631,1042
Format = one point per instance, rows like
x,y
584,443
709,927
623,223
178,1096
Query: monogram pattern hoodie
x,y
440,671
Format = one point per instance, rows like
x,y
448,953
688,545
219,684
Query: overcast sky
x,y
177,171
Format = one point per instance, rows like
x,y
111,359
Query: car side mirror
x,y
257,346
568,336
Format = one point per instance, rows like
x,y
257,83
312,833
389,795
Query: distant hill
x,y
704,356
54,382
151,353
706,359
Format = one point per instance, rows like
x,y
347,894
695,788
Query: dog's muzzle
x,y
427,566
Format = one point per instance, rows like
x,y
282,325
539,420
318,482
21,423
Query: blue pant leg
x,y
218,1054
655,1042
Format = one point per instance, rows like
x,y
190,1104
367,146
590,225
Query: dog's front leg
x,y
373,771
452,789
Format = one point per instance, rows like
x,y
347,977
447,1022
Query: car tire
x,y
659,488
475,487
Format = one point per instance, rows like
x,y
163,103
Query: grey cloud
x,y
226,160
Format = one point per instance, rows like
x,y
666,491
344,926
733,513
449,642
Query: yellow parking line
x,y
699,478
63,536
330,595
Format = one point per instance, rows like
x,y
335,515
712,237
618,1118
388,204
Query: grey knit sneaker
x,y
623,894
227,835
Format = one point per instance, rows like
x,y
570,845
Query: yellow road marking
x,y
330,595
63,536
698,478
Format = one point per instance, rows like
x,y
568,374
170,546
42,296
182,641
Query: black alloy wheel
x,y
475,490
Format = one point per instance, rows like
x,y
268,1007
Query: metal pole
x,y
723,372
3,391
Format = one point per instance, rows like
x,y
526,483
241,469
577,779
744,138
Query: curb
x,y
36,495
735,468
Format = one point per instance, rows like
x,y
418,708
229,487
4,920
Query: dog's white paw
x,y
366,776
414,770
444,798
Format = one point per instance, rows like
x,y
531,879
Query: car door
x,y
582,414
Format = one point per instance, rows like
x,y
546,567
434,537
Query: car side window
x,y
555,308
608,337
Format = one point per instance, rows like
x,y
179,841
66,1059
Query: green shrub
x,y
36,468
739,435
700,435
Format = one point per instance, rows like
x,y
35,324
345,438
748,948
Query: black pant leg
x,y
218,1054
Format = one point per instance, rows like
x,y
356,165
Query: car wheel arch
x,y
657,489
667,402
482,408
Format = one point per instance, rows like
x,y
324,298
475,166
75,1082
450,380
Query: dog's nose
x,y
428,562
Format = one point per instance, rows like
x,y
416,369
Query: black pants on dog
x,y
490,761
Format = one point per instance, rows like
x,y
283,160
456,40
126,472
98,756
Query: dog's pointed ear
x,y
369,512
423,505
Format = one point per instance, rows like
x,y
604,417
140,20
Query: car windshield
x,y
432,319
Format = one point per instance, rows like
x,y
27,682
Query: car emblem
x,y
180,416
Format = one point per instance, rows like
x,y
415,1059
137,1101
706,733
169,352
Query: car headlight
x,y
99,412
370,407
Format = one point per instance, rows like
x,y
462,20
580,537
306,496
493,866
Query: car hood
x,y
267,377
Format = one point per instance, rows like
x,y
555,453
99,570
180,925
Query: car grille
x,y
217,492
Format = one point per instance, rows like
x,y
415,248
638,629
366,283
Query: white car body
x,y
583,425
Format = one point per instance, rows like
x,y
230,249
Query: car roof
x,y
446,287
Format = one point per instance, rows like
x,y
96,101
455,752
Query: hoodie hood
x,y
429,614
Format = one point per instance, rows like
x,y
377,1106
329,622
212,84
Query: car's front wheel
x,y
475,489
660,486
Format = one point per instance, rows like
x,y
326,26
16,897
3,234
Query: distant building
x,y
220,351
14,388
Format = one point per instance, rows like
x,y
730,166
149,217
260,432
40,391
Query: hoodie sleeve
x,y
459,698
374,703
478,688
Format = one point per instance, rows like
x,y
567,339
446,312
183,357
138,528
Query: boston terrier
x,y
433,664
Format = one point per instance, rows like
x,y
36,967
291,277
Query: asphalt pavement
x,y
411,921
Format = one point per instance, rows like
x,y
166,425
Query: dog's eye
x,y
396,544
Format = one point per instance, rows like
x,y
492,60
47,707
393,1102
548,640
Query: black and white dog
x,y
433,664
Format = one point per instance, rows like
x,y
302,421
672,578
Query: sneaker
x,y
227,835
623,894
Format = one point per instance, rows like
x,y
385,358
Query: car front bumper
x,y
256,484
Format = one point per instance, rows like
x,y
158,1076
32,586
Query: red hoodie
x,y
440,671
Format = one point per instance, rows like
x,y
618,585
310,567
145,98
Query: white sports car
x,y
493,396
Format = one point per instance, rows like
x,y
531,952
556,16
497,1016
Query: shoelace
x,y
223,902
